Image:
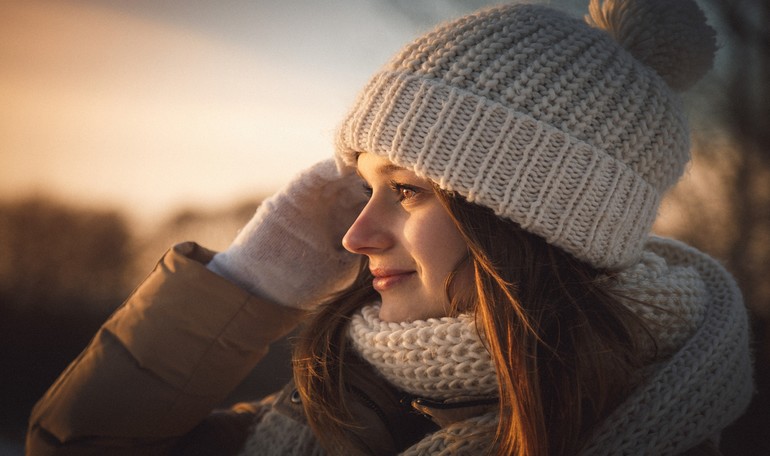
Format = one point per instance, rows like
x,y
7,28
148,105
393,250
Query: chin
x,y
394,312
389,314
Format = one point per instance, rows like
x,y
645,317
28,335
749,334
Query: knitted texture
x,y
466,438
434,358
303,223
700,382
669,297
536,115
278,435
702,387
660,33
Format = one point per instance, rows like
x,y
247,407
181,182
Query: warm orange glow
x,y
105,107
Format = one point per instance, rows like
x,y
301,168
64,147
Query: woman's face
x,y
411,242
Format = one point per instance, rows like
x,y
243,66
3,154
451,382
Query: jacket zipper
x,y
370,404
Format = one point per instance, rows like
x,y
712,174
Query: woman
x,y
499,292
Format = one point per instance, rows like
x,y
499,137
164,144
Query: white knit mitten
x,y
291,250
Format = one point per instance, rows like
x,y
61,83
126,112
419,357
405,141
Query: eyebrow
x,y
385,169
390,168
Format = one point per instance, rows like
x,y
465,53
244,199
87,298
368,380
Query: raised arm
x,y
190,333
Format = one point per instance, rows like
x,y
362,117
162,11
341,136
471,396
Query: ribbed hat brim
x,y
572,194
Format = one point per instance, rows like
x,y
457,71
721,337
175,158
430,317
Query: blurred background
x,y
127,126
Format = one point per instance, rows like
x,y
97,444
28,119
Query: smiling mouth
x,y
386,280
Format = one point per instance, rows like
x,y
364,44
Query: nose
x,y
368,234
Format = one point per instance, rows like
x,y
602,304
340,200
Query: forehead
x,y
367,163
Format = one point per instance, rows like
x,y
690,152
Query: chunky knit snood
x,y
438,358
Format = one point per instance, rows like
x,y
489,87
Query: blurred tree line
x,y
63,269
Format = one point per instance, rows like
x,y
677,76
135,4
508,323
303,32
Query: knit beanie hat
x,y
572,129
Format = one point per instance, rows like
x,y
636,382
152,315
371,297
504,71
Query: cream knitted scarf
x,y
700,382
434,358
438,358
704,381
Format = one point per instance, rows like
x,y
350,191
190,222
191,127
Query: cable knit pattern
x,y
536,115
434,358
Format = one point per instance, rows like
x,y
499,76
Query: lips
x,y
386,279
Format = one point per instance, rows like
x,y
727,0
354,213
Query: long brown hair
x,y
566,350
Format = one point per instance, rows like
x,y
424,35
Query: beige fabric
x,y
661,33
467,438
701,381
671,297
438,358
291,250
537,116
692,394
279,435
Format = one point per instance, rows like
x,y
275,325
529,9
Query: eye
x,y
405,192
367,190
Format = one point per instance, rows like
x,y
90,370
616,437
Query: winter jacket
x,y
168,356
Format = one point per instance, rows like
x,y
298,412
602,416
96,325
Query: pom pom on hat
x,y
670,36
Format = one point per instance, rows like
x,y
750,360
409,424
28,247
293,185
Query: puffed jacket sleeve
x,y
159,365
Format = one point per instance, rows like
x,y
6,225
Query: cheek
x,y
435,242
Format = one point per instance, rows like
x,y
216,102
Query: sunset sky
x,y
148,106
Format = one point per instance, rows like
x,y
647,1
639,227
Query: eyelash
x,y
401,189
396,187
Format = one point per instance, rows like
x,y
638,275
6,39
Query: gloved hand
x,y
291,250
